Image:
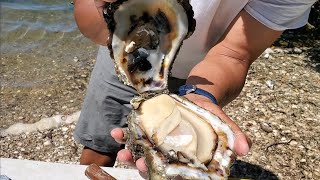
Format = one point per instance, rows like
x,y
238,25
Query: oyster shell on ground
x,y
145,37
178,138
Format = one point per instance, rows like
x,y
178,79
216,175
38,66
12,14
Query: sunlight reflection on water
x,y
29,24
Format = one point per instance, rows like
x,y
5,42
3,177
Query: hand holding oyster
x,y
176,136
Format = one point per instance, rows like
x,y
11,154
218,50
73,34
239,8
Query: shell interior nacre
x,y
146,37
190,138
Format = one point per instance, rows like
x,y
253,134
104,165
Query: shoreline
x,y
44,81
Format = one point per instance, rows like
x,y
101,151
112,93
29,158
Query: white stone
x,y
303,160
47,143
293,143
270,84
297,50
75,59
43,124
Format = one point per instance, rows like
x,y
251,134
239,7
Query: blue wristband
x,y
187,89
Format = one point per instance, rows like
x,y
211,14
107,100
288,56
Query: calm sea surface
x,y
26,24
45,62
39,39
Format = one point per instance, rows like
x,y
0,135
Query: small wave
x,y
36,7
67,26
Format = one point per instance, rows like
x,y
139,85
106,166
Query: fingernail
x,y
241,144
112,132
245,149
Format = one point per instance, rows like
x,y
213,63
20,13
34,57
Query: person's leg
x,y
105,107
90,156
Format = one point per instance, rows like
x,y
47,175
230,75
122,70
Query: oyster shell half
x,y
145,37
178,138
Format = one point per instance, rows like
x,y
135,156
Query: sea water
x,y
43,58
27,24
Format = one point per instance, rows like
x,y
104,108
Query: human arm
x,y
226,65
89,18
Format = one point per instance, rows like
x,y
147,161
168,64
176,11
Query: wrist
x,y
198,98
192,89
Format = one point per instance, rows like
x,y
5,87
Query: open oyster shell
x,y
145,37
178,138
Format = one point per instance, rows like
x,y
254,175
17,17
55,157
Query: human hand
x,y
242,142
89,17
125,155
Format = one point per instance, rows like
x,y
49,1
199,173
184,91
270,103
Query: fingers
x,y
125,156
119,135
141,165
242,142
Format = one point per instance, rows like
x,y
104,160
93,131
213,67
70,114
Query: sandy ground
x,y
279,108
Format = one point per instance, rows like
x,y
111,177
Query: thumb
x,y
242,143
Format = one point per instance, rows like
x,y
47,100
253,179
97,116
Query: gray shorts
x,y
106,106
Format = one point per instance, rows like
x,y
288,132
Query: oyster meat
x,y
177,137
145,37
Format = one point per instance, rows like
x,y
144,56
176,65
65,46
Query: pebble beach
x,y
45,68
